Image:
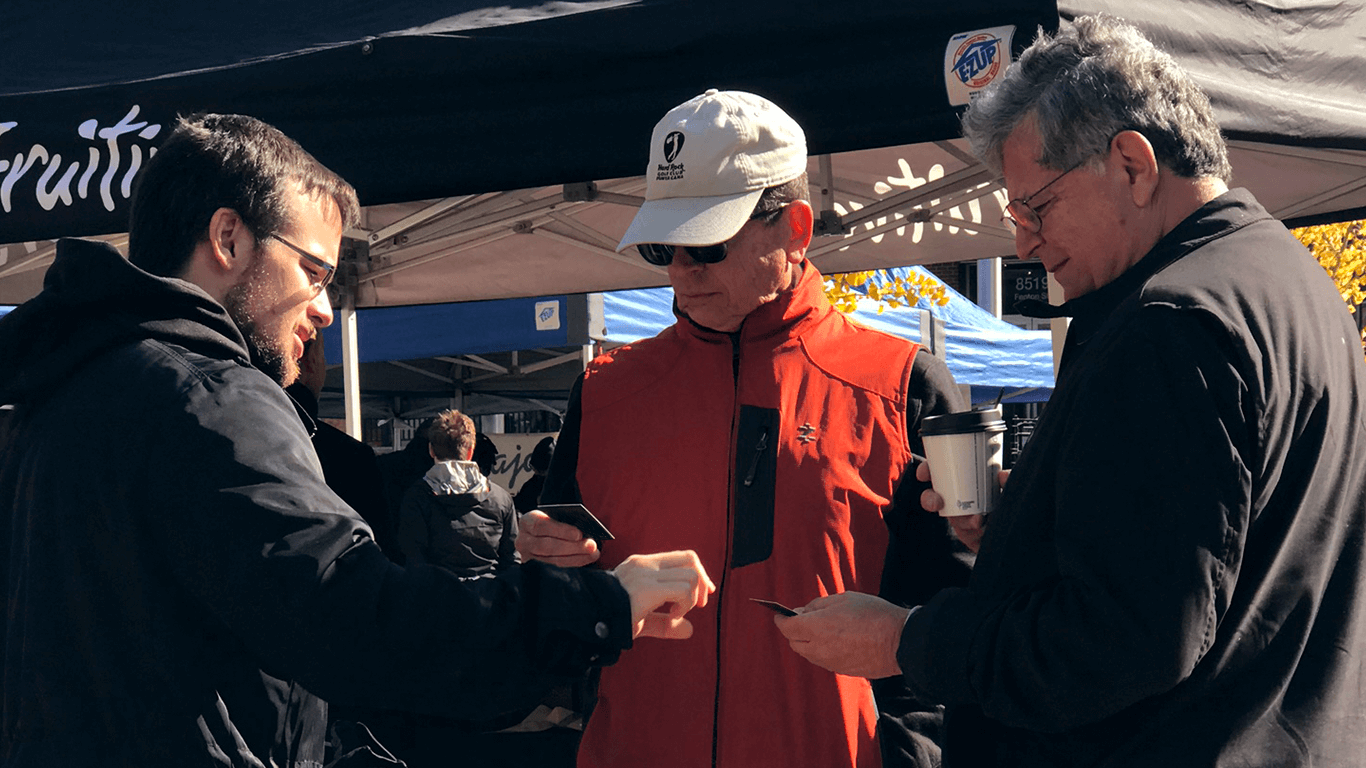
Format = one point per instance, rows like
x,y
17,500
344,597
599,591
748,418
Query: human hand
x,y
550,541
850,634
968,528
676,579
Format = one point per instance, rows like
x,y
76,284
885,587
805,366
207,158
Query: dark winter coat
x,y
1176,572
179,578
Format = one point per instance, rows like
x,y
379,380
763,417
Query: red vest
x,y
772,454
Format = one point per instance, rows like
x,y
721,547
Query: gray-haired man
x,y
1174,575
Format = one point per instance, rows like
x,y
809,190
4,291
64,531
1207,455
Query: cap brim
x,y
690,220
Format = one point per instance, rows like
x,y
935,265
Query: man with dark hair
x,y
1176,572
179,597
770,434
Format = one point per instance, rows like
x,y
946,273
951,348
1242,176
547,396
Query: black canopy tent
x,y
416,100
498,148
472,110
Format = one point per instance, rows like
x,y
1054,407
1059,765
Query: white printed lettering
x,y
53,185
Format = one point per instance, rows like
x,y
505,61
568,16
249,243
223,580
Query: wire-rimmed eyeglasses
x,y
319,284
1020,214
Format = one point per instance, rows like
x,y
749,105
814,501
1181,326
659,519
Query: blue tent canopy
x,y
983,351
465,328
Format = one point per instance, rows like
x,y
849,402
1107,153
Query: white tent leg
x,y
1059,324
346,316
989,285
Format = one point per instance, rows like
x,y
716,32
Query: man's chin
x,y
273,364
289,377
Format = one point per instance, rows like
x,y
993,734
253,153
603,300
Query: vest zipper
x,y
725,568
758,457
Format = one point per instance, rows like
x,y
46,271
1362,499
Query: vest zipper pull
x,y
758,457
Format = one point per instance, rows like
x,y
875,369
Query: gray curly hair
x,y
1088,83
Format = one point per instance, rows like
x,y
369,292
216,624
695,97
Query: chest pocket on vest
x,y
756,472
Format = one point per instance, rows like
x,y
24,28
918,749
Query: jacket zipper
x,y
725,562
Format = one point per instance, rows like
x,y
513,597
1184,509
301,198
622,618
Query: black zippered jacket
x,y
1176,572
179,579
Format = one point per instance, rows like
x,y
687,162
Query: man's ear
x,y
800,222
229,241
222,257
1132,155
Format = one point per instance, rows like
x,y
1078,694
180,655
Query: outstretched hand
x,y
850,634
541,538
675,579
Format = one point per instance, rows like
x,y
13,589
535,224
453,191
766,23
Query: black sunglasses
x,y
662,255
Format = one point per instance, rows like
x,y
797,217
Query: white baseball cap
x,y
710,159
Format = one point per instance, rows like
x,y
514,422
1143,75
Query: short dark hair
x,y
542,454
1086,84
213,161
485,453
451,436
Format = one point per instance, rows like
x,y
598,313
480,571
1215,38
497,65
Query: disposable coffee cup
x,y
964,451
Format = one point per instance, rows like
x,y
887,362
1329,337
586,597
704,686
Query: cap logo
x,y
673,144
669,170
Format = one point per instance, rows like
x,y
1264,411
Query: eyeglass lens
x,y
319,285
1018,215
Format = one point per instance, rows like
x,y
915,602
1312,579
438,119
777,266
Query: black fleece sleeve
x,y
561,481
923,556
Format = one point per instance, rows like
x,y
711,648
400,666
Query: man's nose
x,y
320,309
1026,242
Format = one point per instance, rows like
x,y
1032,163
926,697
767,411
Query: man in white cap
x,y
767,432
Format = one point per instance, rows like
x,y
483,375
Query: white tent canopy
x,y
893,206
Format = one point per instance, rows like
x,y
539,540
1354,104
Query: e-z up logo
x,y
977,61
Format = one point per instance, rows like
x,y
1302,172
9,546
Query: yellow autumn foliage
x,y
1341,249
888,290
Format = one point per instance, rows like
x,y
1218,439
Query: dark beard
x,y
268,357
